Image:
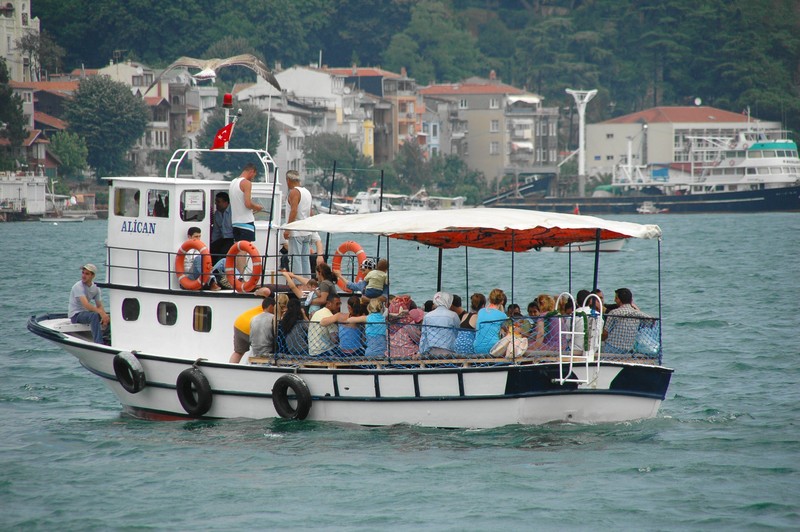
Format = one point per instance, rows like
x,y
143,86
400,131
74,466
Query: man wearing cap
x,y
86,305
299,201
242,206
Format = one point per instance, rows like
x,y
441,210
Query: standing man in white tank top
x,y
299,201
242,207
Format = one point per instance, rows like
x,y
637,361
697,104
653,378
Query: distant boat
x,y
752,171
589,247
648,207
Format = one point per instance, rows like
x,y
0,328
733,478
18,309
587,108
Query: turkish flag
x,y
222,136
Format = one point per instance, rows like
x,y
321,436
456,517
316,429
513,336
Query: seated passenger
x,y
587,321
490,320
378,280
547,325
351,332
439,327
405,335
262,329
622,323
375,330
323,332
293,330
193,262
358,286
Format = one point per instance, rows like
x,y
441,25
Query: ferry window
x,y
167,313
769,153
126,202
130,309
266,208
193,205
158,203
202,319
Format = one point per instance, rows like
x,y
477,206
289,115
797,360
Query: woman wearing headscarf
x,y
439,327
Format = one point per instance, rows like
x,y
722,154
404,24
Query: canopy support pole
x,y
439,272
466,271
596,258
330,210
269,227
513,256
380,209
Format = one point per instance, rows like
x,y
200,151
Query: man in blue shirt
x,y
222,231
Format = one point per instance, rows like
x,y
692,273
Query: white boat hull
x,y
468,397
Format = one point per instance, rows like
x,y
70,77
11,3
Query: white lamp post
x,y
581,99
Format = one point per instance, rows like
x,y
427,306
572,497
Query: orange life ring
x,y
351,247
200,247
230,265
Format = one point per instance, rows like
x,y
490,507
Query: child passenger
x,y
378,280
375,331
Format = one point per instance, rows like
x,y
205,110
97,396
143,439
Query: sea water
x,y
723,451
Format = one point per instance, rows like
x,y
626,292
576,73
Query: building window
x,y
130,309
167,313
609,135
494,103
462,104
609,157
435,131
494,148
494,126
202,319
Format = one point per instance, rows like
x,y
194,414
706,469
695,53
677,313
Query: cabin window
x,y
193,205
158,203
126,202
167,313
130,309
202,319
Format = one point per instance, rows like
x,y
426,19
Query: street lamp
x,y
581,99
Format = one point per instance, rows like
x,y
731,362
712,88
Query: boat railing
x,y
517,341
156,269
180,155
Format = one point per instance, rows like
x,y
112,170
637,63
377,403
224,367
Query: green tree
x,y
451,177
110,119
249,133
12,121
71,150
352,167
43,54
434,41
411,169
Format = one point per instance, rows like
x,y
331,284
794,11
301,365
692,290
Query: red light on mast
x,y
227,100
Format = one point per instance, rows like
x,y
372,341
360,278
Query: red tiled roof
x,y
78,72
154,101
363,72
33,136
454,89
694,114
49,120
65,87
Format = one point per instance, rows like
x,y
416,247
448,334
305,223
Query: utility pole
x,y
581,99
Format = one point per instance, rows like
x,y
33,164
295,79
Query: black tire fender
x,y
194,391
129,372
280,397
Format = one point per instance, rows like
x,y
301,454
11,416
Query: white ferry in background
x,y
755,171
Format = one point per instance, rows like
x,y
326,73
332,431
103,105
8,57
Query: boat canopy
x,y
500,229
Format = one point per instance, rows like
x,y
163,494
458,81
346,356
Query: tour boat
x,y
170,342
